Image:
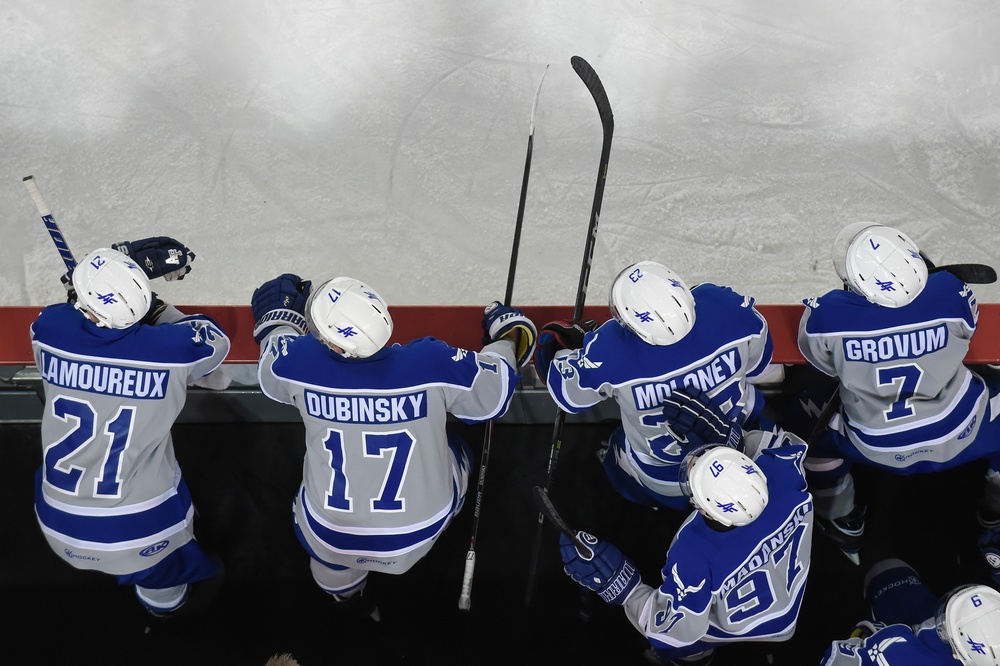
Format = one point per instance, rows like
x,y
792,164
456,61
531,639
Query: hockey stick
x,y
596,88
465,598
547,509
50,223
969,273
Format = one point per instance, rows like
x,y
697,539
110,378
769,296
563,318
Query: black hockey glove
x,y
159,256
694,418
501,321
280,302
558,335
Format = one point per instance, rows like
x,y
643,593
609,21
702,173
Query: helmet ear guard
x,y
880,263
968,619
724,484
112,288
349,316
653,302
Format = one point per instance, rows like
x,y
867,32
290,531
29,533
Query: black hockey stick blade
x,y
596,88
969,273
546,508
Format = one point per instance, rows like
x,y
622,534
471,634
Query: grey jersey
x,y
906,395
109,484
379,479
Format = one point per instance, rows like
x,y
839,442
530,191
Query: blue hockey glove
x,y
501,321
989,546
694,418
159,256
606,571
557,335
280,302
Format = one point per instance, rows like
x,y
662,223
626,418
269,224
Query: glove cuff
x,y
279,317
616,591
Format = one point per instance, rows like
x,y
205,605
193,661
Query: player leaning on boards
x,y
383,475
908,625
116,363
662,337
896,338
737,568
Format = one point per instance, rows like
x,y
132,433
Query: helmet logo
x,y
749,469
674,282
129,264
885,286
107,298
371,296
635,275
644,317
347,331
977,647
728,507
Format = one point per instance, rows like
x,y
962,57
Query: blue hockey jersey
x,y
729,344
744,584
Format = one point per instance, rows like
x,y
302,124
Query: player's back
x,y
111,399
376,445
901,370
757,572
729,343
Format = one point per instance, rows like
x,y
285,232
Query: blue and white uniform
x,y
382,478
903,611
728,346
742,584
908,403
109,495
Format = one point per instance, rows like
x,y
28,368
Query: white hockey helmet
x,y
724,483
348,314
111,287
968,619
879,263
653,302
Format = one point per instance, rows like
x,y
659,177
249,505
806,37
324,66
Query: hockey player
x,y
116,363
895,337
662,337
383,476
910,626
736,569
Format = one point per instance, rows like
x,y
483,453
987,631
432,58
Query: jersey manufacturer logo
x,y
154,549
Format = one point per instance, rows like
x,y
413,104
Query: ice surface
x,y
386,140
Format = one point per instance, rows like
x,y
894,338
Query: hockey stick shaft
x,y
465,598
969,273
547,509
596,88
50,223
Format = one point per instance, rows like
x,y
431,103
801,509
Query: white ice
x,y
387,140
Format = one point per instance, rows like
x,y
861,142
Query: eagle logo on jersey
x,y
586,362
682,589
877,651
